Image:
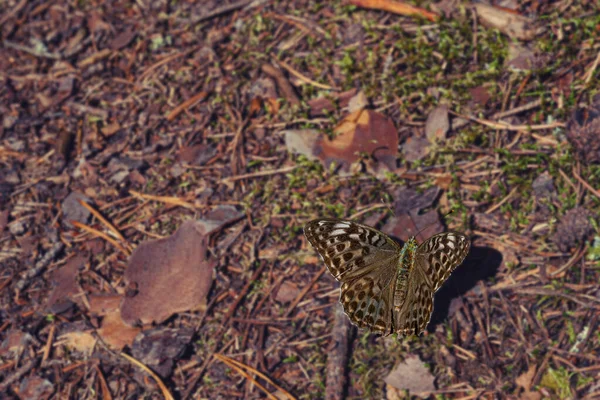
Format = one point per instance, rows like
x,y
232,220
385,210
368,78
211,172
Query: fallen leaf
x,y
543,185
480,96
159,347
363,132
110,129
524,380
219,217
412,375
437,124
407,225
415,148
507,21
322,106
159,268
15,343
72,210
407,200
287,292
358,102
35,388
520,58
64,280
302,141
443,181
82,342
113,330
198,154
574,228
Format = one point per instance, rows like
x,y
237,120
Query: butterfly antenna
x,y
418,233
387,206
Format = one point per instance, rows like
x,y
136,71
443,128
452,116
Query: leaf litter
x,y
204,149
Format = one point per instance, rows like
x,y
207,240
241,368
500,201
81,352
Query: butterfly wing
x,y
439,255
350,249
413,314
365,260
367,300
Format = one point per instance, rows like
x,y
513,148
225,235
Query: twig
x,y
337,357
39,266
303,292
517,110
304,78
590,72
369,209
159,382
510,127
103,235
585,184
220,10
238,366
163,199
101,218
17,374
576,257
282,82
33,52
13,12
259,174
504,200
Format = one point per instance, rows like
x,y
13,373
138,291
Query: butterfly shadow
x,y
481,264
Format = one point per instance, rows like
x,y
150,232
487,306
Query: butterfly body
x,y
385,287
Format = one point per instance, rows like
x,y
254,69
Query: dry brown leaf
x,y
287,292
160,268
520,57
438,123
362,132
415,148
506,21
302,141
322,106
35,388
113,330
525,380
65,284
405,226
157,348
411,375
444,181
82,342
409,200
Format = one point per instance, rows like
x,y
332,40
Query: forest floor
x,y
159,160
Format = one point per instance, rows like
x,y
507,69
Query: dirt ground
x,y
159,161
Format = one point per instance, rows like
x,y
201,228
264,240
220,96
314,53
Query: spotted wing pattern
x,y
412,316
386,288
350,249
439,255
365,261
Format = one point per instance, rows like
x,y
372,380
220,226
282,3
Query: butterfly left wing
x,y
365,260
349,249
439,255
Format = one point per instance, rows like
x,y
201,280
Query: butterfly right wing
x,y
413,314
439,255
349,249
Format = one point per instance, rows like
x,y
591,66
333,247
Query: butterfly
x,y
385,287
